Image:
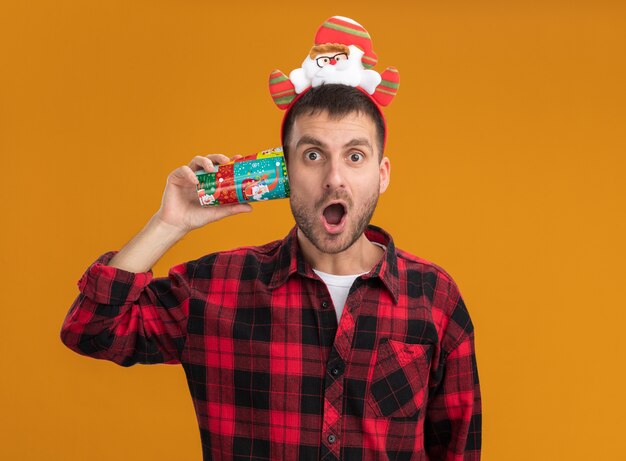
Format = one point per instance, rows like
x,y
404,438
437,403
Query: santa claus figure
x,y
255,190
343,54
211,199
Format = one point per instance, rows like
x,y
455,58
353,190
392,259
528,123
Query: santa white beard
x,y
348,72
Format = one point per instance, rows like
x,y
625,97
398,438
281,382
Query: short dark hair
x,y
338,101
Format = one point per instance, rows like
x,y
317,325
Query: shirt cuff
x,y
111,285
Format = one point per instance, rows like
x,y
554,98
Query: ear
x,y
384,171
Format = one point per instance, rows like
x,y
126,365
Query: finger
x,y
200,162
186,174
191,175
218,158
237,157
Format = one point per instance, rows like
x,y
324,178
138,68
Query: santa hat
x,y
347,32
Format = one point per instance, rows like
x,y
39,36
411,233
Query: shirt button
x,y
324,304
331,438
335,371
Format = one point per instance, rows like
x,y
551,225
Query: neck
x,y
358,258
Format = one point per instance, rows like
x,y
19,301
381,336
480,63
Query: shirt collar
x,y
291,261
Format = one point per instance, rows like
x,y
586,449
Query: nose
x,y
332,61
334,178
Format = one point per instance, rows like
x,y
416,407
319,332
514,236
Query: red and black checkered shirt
x,y
272,375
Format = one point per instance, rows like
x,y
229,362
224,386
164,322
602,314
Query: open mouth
x,y
334,215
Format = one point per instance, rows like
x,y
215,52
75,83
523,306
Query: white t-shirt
x,y
339,286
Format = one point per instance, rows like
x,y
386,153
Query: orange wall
x,y
507,147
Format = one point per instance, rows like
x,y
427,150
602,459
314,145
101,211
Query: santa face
x,y
259,190
335,67
207,199
328,60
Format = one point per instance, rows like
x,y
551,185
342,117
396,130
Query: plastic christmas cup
x,y
255,178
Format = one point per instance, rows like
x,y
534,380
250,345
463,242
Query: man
x,y
330,344
271,372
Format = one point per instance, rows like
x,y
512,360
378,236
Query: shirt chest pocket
x,y
399,381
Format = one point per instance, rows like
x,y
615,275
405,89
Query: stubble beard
x,y
309,223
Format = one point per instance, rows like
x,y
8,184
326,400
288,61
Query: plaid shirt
x,y
272,375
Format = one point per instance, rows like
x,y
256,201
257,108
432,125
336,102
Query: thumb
x,y
223,211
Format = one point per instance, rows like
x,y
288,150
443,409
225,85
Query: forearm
x,y
147,247
180,213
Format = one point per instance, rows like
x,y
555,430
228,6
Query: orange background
x,y
507,147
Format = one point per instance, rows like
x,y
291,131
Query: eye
x,y
356,157
341,57
312,155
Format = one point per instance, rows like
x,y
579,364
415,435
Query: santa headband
x,y
343,54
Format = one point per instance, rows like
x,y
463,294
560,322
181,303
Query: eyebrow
x,y
307,139
358,142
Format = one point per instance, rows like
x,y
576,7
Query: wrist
x,y
167,230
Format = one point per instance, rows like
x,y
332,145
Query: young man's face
x,y
335,178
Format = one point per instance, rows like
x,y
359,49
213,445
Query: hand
x,y
180,206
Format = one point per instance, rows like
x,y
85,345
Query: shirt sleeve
x,y
128,317
453,422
